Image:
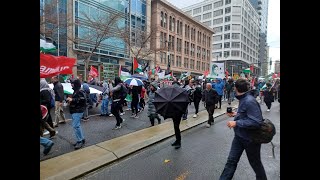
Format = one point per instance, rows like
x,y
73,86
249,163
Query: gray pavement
x,y
203,155
98,129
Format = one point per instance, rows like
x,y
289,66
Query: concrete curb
x,y
78,163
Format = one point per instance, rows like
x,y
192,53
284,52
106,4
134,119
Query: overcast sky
x,y
273,37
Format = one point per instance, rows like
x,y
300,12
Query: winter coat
x,y
58,91
268,95
198,93
219,87
209,97
249,116
78,103
151,107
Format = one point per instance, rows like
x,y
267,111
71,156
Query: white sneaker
x,y
117,127
121,114
133,115
268,110
46,133
110,115
129,109
194,116
136,117
208,125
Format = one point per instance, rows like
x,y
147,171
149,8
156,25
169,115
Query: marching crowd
x,y
116,94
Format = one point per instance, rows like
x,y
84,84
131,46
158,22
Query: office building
x,y
236,32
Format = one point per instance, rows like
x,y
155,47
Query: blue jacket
x,y
219,87
249,116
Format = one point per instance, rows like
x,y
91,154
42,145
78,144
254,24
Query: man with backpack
x,y
248,118
118,93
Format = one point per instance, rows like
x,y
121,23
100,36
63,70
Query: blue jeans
x,y
76,118
253,154
104,106
45,142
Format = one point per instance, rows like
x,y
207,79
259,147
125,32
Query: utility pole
x,y
169,60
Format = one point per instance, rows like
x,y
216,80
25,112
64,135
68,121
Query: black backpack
x,y
191,95
265,133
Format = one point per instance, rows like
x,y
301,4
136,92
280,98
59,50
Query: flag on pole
x,y
136,66
93,72
124,73
46,47
53,65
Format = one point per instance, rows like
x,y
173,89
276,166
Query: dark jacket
x,y
249,116
116,92
197,93
58,91
268,95
45,98
78,103
209,97
134,93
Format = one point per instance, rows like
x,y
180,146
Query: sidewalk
x,y
77,163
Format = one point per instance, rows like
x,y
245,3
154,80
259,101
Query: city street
x,y
98,129
203,155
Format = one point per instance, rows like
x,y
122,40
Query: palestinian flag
x,y
247,70
124,73
136,66
46,47
169,76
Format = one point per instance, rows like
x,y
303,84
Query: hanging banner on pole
x,y
217,70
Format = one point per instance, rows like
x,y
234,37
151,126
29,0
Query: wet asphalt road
x,y
203,155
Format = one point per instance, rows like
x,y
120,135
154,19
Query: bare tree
x,y
141,43
96,30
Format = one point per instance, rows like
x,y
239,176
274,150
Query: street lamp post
x,y
169,61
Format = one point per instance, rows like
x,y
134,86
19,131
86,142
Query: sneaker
x,y
121,114
53,133
55,125
268,110
83,141
78,145
184,119
46,133
48,148
85,119
117,127
133,115
136,117
208,125
176,145
62,122
110,115
194,116
129,109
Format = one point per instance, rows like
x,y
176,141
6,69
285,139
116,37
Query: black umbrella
x,y
171,101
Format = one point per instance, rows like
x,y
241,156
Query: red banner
x,y
53,65
93,72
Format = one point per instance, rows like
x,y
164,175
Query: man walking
x,y
59,98
77,105
210,97
249,117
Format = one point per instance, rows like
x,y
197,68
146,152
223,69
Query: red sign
x,y
53,65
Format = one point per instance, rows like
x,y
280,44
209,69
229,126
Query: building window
x,y
198,52
208,55
217,21
198,18
196,11
227,2
217,12
235,35
236,18
227,27
208,23
235,53
198,65
203,54
180,28
235,44
217,46
227,10
226,54
218,29
186,63
163,39
236,27
165,20
207,16
162,19
227,19
192,50
218,4
227,36
170,23
191,64
227,45
207,7
217,38
179,44
236,9
186,47
209,42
